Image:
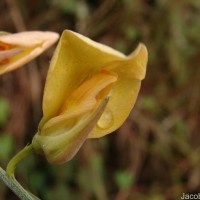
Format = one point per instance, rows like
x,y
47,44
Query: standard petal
x,y
75,59
31,43
137,62
123,98
130,73
134,64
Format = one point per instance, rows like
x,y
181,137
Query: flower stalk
x,y
17,158
12,183
9,179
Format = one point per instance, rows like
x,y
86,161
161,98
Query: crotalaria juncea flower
x,y
89,92
19,48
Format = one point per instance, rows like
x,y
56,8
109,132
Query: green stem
x,y
16,187
9,178
18,157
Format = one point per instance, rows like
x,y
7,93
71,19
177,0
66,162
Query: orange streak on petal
x,y
85,98
5,46
4,61
87,95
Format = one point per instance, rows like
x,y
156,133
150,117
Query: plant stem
x,y
9,178
18,157
16,187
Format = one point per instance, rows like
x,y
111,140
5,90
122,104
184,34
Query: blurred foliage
x,y
124,179
155,154
4,111
6,147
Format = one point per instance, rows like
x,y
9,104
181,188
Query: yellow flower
x,y
19,48
89,92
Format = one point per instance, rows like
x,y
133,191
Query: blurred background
x,y
155,154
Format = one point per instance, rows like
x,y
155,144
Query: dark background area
x,y
155,154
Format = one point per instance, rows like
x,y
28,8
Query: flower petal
x,y
30,38
83,100
125,92
75,59
121,102
134,64
8,53
32,43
